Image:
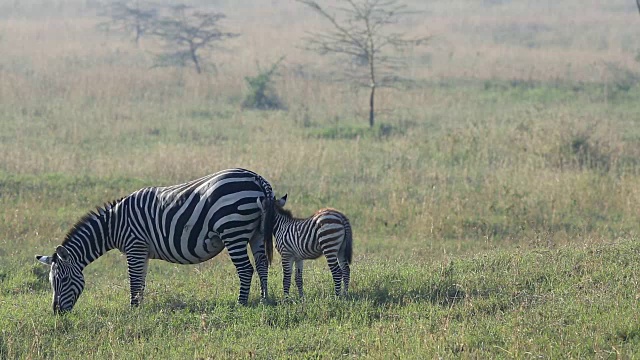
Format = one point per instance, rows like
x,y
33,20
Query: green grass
x,y
572,302
478,233
409,295
549,277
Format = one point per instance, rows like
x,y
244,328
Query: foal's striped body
x,y
327,233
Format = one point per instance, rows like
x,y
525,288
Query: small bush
x,y
622,81
261,94
583,151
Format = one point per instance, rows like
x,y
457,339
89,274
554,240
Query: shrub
x,y
622,80
581,150
261,94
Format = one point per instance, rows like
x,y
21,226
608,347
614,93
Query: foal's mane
x,y
286,213
283,211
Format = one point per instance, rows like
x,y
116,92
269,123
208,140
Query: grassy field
x,y
576,302
494,205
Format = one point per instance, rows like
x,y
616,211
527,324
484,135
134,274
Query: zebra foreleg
x,y
286,275
137,263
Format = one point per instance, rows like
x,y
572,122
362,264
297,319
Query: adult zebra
x,y
185,224
326,232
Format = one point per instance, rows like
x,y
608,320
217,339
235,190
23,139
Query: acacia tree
x,y
362,30
130,17
187,32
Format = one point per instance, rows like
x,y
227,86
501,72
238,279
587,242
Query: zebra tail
x,y
348,237
268,226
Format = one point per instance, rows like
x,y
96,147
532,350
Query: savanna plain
x,y
494,203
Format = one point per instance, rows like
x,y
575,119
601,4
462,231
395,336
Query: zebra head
x,y
281,214
278,203
67,280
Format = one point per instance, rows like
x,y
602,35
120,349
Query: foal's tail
x,y
348,241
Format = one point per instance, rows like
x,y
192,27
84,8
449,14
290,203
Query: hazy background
x,y
517,102
541,40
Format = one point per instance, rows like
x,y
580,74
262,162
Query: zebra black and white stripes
x,y
185,224
326,232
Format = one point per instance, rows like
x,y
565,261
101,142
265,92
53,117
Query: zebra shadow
x,y
438,294
199,305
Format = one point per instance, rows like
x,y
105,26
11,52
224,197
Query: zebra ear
x,y
63,253
283,200
47,260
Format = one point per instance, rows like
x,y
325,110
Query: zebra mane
x,y
285,212
99,211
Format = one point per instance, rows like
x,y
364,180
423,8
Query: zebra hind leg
x,y
299,268
346,271
238,252
336,273
346,277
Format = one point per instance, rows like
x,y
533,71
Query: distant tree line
x,y
183,30
129,18
360,30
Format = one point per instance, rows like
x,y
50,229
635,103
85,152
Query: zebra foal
x,y
327,232
184,224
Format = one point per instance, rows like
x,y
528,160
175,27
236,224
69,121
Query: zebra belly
x,y
211,246
216,246
311,253
205,248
